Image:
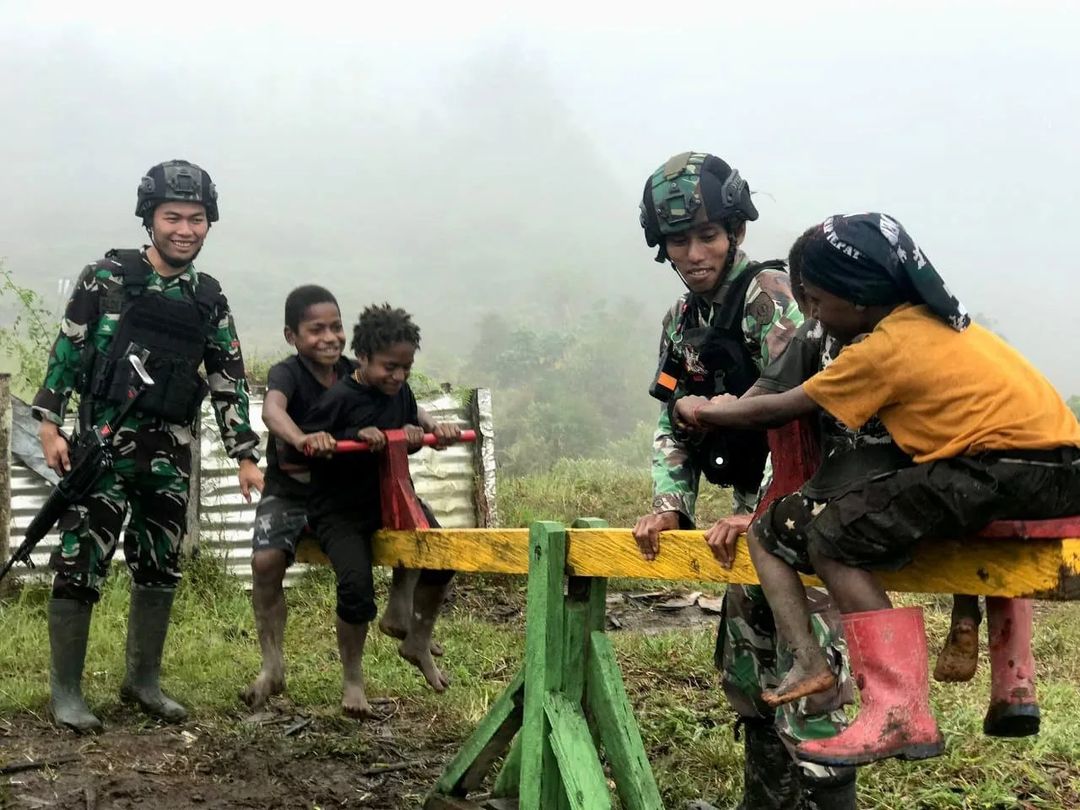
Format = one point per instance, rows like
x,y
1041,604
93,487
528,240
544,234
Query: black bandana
x,y
870,259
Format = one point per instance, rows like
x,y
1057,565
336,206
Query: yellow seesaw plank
x,y
1036,568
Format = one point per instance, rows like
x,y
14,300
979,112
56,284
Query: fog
x,y
470,160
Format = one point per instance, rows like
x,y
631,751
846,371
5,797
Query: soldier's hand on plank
x,y
414,436
446,434
375,438
647,532
55,447
722,537
251,477
686,411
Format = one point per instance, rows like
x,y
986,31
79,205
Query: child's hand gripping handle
x,y
351,446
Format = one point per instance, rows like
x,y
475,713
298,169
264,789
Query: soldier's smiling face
x,y
179,230
699,254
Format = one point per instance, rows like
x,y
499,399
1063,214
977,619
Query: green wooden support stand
x,y
567,703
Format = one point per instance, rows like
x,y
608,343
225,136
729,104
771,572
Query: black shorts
x,y
877,524
280,521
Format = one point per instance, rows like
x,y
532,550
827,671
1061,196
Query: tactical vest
x,y
715,360
173,332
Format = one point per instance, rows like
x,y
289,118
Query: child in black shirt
x,y
313,327
344,505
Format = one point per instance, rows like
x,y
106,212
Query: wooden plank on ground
x,y
488,742
614,715
1041,568
579,764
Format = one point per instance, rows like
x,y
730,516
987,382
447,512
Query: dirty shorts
x,y
280,521
781,530
877,524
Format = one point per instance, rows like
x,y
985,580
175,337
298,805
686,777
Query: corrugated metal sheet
x,y
451,481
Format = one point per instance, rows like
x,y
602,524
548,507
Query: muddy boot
x,y
889,660
69,627
834,794
771,779
1014,708
148,623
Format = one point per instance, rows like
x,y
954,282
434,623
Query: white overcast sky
x,y
395,148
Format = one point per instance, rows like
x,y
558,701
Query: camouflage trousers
x,y
752,658
154,487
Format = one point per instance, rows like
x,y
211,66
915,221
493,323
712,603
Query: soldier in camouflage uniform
x,y
736,318
130,301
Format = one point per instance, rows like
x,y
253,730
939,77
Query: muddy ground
x,y
192,766
276,759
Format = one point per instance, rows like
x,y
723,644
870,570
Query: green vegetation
x,y
685,720
25,342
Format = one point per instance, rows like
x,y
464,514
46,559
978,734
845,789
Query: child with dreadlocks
x,y
990,437
344,505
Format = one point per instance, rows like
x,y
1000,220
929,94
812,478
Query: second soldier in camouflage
x,y
735,319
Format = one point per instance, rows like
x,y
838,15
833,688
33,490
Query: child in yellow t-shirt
x,y
990,436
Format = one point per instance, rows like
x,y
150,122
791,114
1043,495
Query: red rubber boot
x,y
890,663
1014,710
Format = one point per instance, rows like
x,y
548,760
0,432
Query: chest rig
x,y
708,356
174,332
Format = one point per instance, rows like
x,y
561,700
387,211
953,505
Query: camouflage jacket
x,y
770,318
86,324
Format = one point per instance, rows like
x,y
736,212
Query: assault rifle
x,y
91,457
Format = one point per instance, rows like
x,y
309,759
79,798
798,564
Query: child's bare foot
x,y
420,657
960,656
260,690
809,675
394,630
354,702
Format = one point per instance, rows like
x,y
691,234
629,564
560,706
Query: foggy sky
x,y
458,159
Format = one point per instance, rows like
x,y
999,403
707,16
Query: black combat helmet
x,y
179,181
690,188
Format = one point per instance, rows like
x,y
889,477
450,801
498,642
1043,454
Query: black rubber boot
x,y
834,795
148,623
69,627
771,779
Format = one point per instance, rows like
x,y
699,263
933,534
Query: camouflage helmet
x,y
176,180
691,188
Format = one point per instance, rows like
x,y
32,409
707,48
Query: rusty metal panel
x,y
449,481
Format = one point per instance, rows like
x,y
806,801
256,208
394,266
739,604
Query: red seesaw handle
x,y
351,446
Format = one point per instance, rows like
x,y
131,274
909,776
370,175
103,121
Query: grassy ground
x,y
685,722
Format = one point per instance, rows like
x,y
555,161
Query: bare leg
x,y
784,590
959,657
416,648
268,599
397,617
351,639
855,590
